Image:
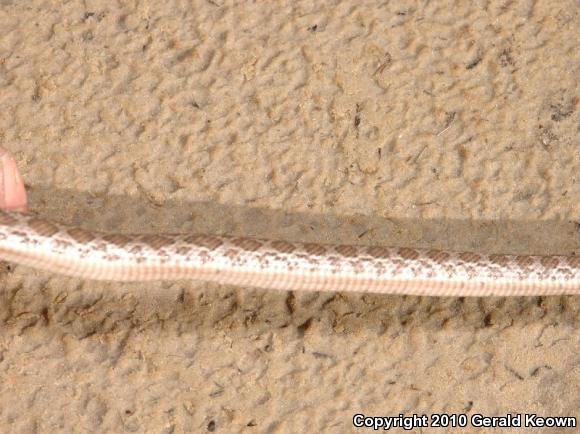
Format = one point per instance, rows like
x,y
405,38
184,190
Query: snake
x,y
32,241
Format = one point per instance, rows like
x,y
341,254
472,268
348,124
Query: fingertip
x,y
12,191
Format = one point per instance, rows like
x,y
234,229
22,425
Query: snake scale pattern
x,y
35,242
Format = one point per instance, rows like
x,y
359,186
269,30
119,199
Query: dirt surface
x,y
428,124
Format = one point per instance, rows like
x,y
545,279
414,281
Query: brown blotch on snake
x,y
501,260
283,246
118,240
42,227
183,250
80,235
232,254
347,251
470,258
314,249
207,241
247,244
549,262
156,241
378,252
438,256
525,261
136,249
62,243
407,253
574,262
7,220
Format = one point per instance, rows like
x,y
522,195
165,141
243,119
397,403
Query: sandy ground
x,y
445,124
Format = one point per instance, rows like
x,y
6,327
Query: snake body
x,y
35,242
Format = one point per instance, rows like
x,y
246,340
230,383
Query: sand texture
x,y
440,124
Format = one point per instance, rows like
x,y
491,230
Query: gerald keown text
x,y
459,420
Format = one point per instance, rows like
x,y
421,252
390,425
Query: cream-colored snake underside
x,y
38,243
